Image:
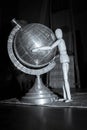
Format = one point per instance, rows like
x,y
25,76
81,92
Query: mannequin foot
x,y
61,99
64,100
68,100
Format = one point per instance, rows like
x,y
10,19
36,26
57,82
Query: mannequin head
x,y
58,33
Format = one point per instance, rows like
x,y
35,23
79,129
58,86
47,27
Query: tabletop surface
x,y
22,117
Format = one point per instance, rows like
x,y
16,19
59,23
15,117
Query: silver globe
x,y
21,42
30,37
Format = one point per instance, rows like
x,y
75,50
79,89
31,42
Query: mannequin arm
x,y
44,48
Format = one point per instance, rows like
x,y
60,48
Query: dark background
x,y
69,15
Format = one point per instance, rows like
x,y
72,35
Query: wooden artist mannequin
x,y
64,60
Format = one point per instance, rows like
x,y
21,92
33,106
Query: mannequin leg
x,y
66,87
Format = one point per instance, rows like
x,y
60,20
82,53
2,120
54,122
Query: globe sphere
x,y
33,36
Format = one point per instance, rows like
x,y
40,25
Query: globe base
x,y
39,94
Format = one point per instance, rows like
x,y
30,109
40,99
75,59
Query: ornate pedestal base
x,y
39,94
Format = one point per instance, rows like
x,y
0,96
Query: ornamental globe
x,y
33,36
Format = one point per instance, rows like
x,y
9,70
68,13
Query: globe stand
x,y
39,94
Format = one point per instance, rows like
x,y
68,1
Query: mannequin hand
x,y
41,49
